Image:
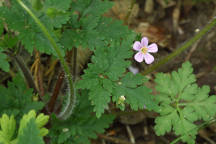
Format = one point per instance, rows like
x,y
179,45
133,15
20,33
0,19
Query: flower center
x,y
144,50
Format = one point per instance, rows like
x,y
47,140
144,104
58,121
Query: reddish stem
x,y
56,91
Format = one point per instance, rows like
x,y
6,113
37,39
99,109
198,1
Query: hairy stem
x,y
182,48
71,97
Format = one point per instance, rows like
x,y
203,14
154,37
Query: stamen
x,y
144,50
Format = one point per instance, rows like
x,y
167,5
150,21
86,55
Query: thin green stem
x,y
26,72
71,98
184,104
182,48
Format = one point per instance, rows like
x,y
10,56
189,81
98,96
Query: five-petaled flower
x,y
144,50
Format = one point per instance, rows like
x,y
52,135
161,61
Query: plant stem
x,y
182,48
74,63
55,94
71,97
26,72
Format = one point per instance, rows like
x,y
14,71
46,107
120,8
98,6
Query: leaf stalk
x,y
71,97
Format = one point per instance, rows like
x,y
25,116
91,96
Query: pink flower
x,y
144,50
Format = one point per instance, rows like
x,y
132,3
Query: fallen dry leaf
x,y
154,33
121,8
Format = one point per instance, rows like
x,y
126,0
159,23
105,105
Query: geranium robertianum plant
x,y
57,28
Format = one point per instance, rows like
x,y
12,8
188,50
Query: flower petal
x,y
137,46
153,48
144,42
148,58
139,57
134,70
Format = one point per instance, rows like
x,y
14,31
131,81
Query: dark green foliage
x,y
111,43
82,125
30,134
57,12
88,28
108,66
27,31
137,95
181,103
81,24
37,4
103,74
16,99
1,27
4,65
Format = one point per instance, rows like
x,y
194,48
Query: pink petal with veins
x,y
148,58
153,48
139,57
137,46
144,42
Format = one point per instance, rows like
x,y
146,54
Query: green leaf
x,y
30,134
30,129
107,85
92,7
37,4
181,103
26,30
187,129
201,105
184,76
1,27
82,126
4,65
16,99
164,123
100,99
40,121
57,12
140,98
131,80
8,127
93,31
8,41
107,67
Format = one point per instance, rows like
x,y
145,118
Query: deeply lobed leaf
x,y
181,103
82,126
30,134
16,99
